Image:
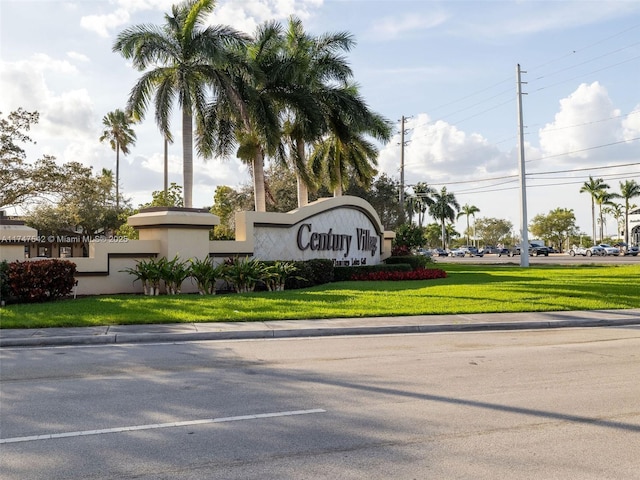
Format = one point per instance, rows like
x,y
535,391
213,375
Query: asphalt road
x,y
519,405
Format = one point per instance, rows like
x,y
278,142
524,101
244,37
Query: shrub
x,y
41,280
416,261
303,277
244,273
174,273
149,272
322,271
417,274
4,281
400,251
205,273
276,274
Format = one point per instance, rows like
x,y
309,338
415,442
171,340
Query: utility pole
x,y
524,228
403,143
402,166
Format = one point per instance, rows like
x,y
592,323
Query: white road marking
x,y
134,428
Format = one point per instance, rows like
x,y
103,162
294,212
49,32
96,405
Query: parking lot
x,y
554,258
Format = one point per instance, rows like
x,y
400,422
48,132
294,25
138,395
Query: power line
x,y
584,149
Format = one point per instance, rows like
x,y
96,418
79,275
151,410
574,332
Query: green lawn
x,y
468,289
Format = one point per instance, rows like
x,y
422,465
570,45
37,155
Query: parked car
x,y
456,252
424,252
471,251
536,250
438,252
587,251
609,249
627,249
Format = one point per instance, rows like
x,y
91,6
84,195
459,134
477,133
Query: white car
x,y
609,249
456,252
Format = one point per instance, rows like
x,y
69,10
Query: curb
x,y
133,338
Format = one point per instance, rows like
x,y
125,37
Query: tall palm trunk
x,y
303,191
593,219
258,181
166,167
117,176
187,155
337,191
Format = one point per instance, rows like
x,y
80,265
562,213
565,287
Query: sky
x,y
449,67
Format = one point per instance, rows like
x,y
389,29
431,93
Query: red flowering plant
x,y
417,274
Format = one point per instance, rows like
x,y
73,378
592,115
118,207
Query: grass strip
x,y
467,289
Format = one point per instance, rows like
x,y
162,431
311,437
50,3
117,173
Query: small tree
x,y
493,231
408,236
555,227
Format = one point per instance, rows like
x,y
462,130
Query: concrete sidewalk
x,y
188,332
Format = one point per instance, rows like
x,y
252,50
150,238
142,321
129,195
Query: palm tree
x,y
468,210
592,187
345,152
603,199
445,207
319,67
628,190
421,200
118,131
616,211
252,120
186,61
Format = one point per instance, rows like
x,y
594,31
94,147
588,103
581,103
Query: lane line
x,y
152,426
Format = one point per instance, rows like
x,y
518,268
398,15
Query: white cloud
x,y
245,15
102,24
78,56
69,113
438,152
580,123
392,27
631,124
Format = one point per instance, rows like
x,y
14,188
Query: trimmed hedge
x,y
416,261
41,280
4,281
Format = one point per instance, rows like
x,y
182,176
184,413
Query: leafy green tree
x,y
432,234
409,235
628,189
87,206
118,132
171,198
444,207
468,210
556,227
493,231
186,63
383,197
21,181
225,208
594,187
